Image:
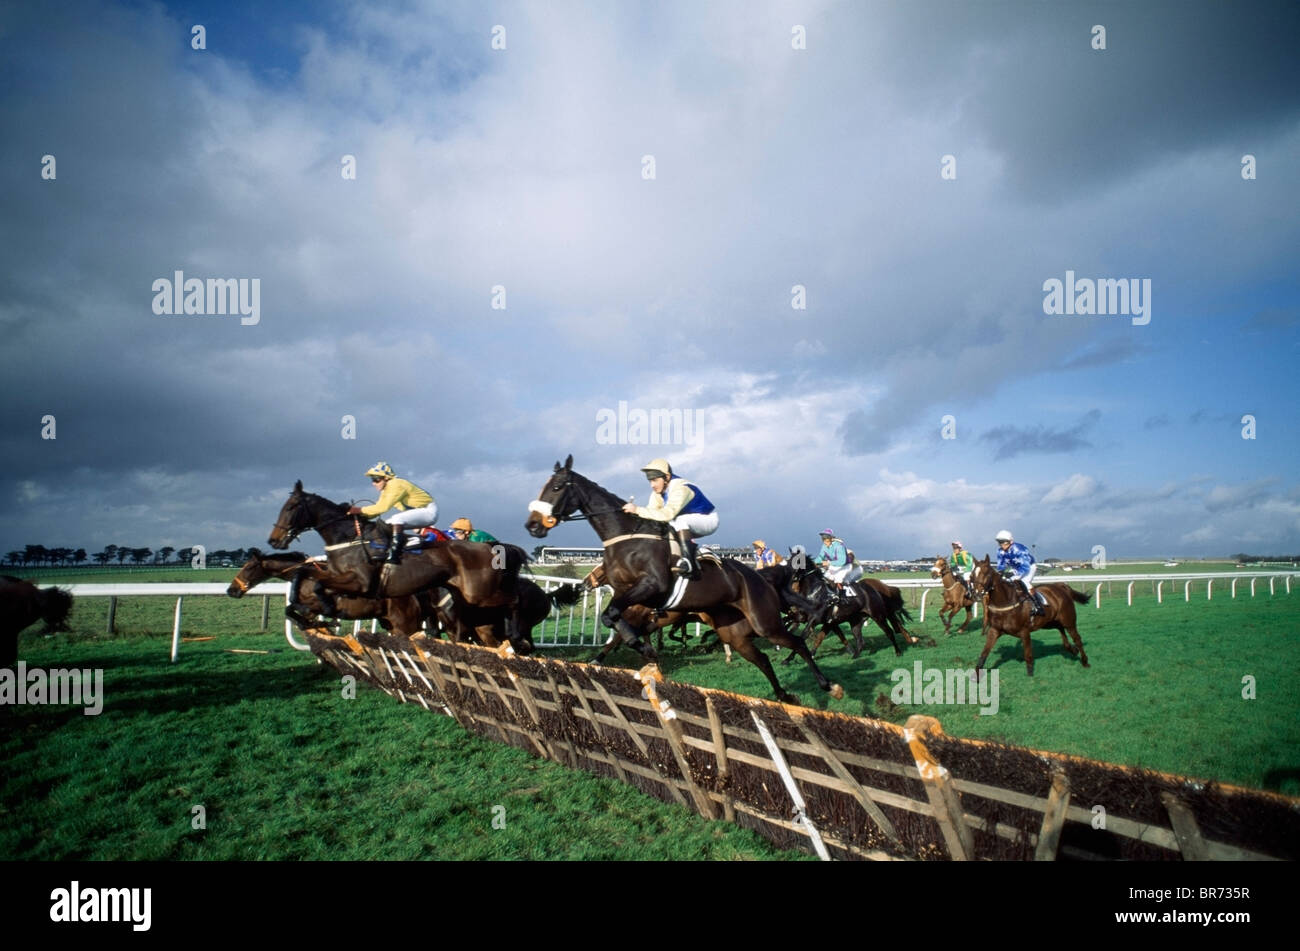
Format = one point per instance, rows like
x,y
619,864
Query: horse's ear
x,y
557,465
568,463
255,553
297,487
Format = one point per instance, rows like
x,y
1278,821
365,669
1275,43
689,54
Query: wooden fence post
x,y
673,732
1187,832
1058,802
944,802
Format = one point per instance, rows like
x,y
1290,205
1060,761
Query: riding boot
x,y
395,546
1035,609
686,565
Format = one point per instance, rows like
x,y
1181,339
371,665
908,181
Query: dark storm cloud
x,y
1011,441
1175,77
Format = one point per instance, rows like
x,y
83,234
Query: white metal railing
x,y
550,633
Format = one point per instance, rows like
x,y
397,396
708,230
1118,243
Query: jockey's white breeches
x,y
845,575
698,525
415,518
1028,577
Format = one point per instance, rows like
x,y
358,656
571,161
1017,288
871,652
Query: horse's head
x,y
292,521
937,570
984,577
259,567
554,503
250,574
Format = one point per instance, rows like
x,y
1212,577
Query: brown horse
x,y
400,615
21,604
730,594
1007,611
482,575
954,597
403,615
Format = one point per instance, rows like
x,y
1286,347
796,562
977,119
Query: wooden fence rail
x,y
845,787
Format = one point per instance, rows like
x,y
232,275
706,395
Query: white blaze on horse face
x,y
541,508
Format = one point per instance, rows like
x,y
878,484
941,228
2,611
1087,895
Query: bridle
x,y
546,510
291,532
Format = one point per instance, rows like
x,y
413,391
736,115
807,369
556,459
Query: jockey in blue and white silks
x,y
682,505
765,557
1015,558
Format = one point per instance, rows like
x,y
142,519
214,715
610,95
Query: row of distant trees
x,y
38,556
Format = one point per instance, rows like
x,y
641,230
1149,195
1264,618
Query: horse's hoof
x,y
789,698
837,691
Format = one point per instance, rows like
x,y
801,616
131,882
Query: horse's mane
x,y
617,502
279,555
607,495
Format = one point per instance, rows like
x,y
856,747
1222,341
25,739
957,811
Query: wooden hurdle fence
x,y
843,787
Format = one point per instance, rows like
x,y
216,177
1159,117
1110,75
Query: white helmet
x,y
1004,536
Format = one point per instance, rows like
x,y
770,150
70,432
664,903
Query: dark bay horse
x,y
22,604
738,603
403,615
858,603
1007,611
484,576
895,608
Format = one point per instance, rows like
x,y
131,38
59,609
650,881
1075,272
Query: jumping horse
x,y
484,576
404,615
734,599
21,604
1008,611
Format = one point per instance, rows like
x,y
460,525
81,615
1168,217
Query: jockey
x,y
962,564
834,560
1015,559
415,507
682,505
464,530
765,557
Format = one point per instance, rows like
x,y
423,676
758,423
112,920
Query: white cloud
x,y
1077,486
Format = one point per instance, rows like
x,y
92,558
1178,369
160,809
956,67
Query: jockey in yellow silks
x,y
415,507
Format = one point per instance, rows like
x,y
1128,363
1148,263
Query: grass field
x,y
285,767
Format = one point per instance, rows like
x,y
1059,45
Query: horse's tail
x,y
516,558
1079,596
565,595
55,605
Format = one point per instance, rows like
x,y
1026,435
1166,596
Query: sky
x,y
824,232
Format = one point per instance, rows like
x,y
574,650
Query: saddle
x,y
424,538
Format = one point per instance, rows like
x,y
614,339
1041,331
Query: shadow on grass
x,y
176,691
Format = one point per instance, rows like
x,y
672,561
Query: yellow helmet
x,y
660,466
381,470
760,544
463,524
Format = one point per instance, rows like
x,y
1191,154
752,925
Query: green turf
x,y
1165,689
287,768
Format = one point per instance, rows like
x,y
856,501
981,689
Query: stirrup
x,y
683,567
